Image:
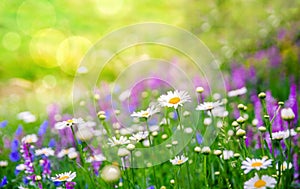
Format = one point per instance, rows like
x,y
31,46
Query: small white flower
x,y
219,111
287,114
264,182
27,117
68,123
67,176
32,138
21,167
227,154
250,164
279,135
179,160
84,134
64,152
44,151
174,99
139,136
146,113
237,92
72,155
122,152
208,106
206,150
3,163
96,158
118,142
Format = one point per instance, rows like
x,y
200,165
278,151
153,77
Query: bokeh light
x,y
11,41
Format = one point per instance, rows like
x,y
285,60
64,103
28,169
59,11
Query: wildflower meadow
x,y
148,104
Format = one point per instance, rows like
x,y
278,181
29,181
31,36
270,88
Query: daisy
x,y
139,136
44,151
145,113
227,154
174,99
96,158
208,106
284,166
179,160
262,183
64,152
32,138
118,142
67,176
257,164
279,135
237,92
3,163
68,123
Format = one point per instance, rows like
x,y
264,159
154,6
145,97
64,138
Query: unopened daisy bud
x,y
168,145
235,124
130,147
120,184
280,103
145,94
205,150
245,108
110,173
240,120
217,173
102,117
230,132
122,152
163,187
298,129
255,122
262,129
240,132
154,133
96,96
217,152
172,181
38,177
199,90
101,113
164,136
197,149
236,155
241,106
262,95
3,163
41,161
287,114
117,112
175,142
266,116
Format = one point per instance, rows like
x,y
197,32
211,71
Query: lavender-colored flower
x,y
19,131
70,185
52,143
3,182
43,128
3,123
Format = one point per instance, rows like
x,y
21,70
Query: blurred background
x,y
42,42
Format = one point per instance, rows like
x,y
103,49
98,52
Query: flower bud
x,y
240,132
199,90
262,95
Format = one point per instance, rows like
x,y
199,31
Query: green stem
x,y
205,172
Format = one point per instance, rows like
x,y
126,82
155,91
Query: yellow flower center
x,y
174,100
65,177
179,161
70,121
259,184
256,164
146,114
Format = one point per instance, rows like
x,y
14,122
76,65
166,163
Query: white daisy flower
x,y
118,142
279,135
174,99
32,138
287,114
264,182
179,160
65,152
146,113
237,92
218,112
227,154
250,164
208,106
96,158
3,163
67,176
284,166
139,136
27,117
21,167
44,151
68,123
